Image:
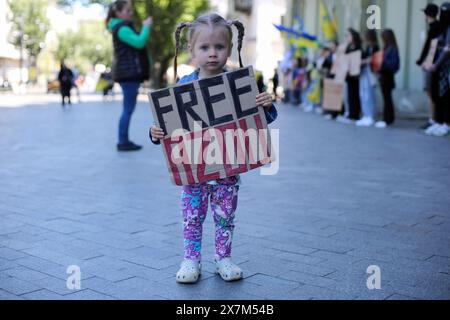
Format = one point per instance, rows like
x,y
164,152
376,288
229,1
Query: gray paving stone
x,y
308,232
4,295
42,295
16,286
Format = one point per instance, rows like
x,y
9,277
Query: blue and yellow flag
x,y
327,25
304,43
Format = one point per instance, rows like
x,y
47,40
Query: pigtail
x,y
180,27
241,31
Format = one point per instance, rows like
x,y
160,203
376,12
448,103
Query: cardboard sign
x,y
332,95
354,63
213,128
340,65
346,64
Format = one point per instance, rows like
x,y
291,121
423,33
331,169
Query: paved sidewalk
x,y
345,198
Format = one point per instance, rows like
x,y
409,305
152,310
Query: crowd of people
x,y
303,79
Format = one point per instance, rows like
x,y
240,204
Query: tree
x,y
29,25
90,45
166,15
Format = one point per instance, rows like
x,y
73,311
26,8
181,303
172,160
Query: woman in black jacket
x,y
431,13
389,67
130,64
65,78
440,83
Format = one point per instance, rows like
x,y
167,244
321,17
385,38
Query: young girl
x,y
210,46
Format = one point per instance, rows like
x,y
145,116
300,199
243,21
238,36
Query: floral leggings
x,y
194,206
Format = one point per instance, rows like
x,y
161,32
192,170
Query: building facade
x,y
407,20
263,46
10,66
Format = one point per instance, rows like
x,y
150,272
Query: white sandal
x,y
189,272
228,270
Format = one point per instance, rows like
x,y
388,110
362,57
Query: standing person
x,y
329,67
298,80
389,67
367,81
210,46
354,44
130,64
76,77
65,78
431,13
108,84
440,82
275,82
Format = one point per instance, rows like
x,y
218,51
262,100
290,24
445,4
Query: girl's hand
x,y
148,22
157,133
264,100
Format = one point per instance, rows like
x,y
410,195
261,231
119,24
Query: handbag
x,y
377,61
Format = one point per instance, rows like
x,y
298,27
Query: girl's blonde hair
x,y
212,20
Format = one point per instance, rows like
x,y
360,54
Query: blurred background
x,y
36,35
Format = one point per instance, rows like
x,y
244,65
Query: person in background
x,y
108,88
367,81
75,80
275,82
260,81
328,71
65,78
431,13
440,80
130,64
287,85
351,115
298,81
389,67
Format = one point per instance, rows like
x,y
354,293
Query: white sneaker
x,y
328,117
308,108
430,130
228,270
381,125
189,272
344,120
440,131
365,122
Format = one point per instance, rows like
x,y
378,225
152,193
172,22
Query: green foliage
x,y
89,45
29,24
166,15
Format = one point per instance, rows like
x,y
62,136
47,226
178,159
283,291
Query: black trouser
x,y
387,86
65,92
442,103
354,100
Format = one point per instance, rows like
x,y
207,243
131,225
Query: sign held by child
x,y
212,127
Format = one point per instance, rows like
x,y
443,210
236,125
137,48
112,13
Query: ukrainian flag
x,y
327,24
304,43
